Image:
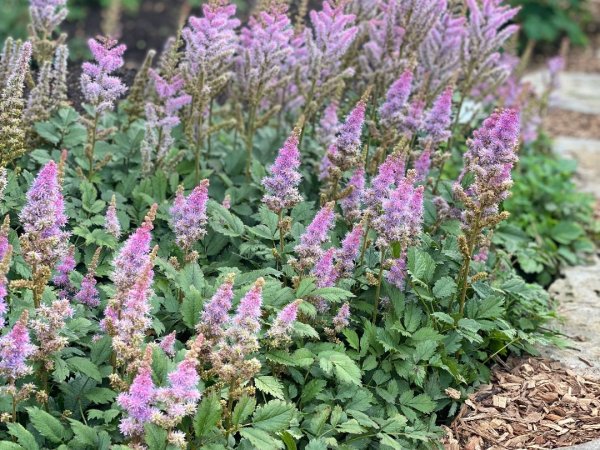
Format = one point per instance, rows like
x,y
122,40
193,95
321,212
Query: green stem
x,y
281,236
378,290
92,146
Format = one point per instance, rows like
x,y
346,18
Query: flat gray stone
x,y
577,91
587,154
578,294
594,445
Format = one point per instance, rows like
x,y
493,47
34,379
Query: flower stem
x,y
378,290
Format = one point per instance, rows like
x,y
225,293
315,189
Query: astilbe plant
x,y
12,105
260,302
160,120
101,89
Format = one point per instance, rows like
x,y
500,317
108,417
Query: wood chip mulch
x,y
531,404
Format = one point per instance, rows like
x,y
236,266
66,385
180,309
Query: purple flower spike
x,y
395,100
345,153
325,271
402,215
283,323
437,122
423,165
64,269
491,156
98,86
249,310
346,256
351,204
181,396
216,311
111,223
211,40
5,257
412,121
315,235
188,215
282,185
397,273
167,344
390,172
88,294
47,15
15,348
137,402
329,125
43,217
342,318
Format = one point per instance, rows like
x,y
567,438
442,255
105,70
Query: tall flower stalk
x,y
101,89
490,158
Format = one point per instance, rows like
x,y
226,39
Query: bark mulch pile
x,y
531,404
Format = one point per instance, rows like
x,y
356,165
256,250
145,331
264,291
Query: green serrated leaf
x,y
269,385
273,416
47,425
208,415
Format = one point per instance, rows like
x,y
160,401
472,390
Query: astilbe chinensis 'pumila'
x,y
326,274
381,56
138,401
216,312
210,46
134,320
348,253
397,273
12,133
390,172
436,126
345,152
352,202
319,55
325,271
440,52
329,125
486,33
167,343
280,330
412,120
230,361
490,157
128,264
419,17
161,118
188,216
63,270
402,214
264,47
180,398
111,221
423,165
47,325
282,184
88,292
210,41
58,84
43,218
391,111
39,103
316,234
15,349
46,16
342,318
5,259
98,86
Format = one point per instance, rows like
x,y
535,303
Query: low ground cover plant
x,y
280,236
